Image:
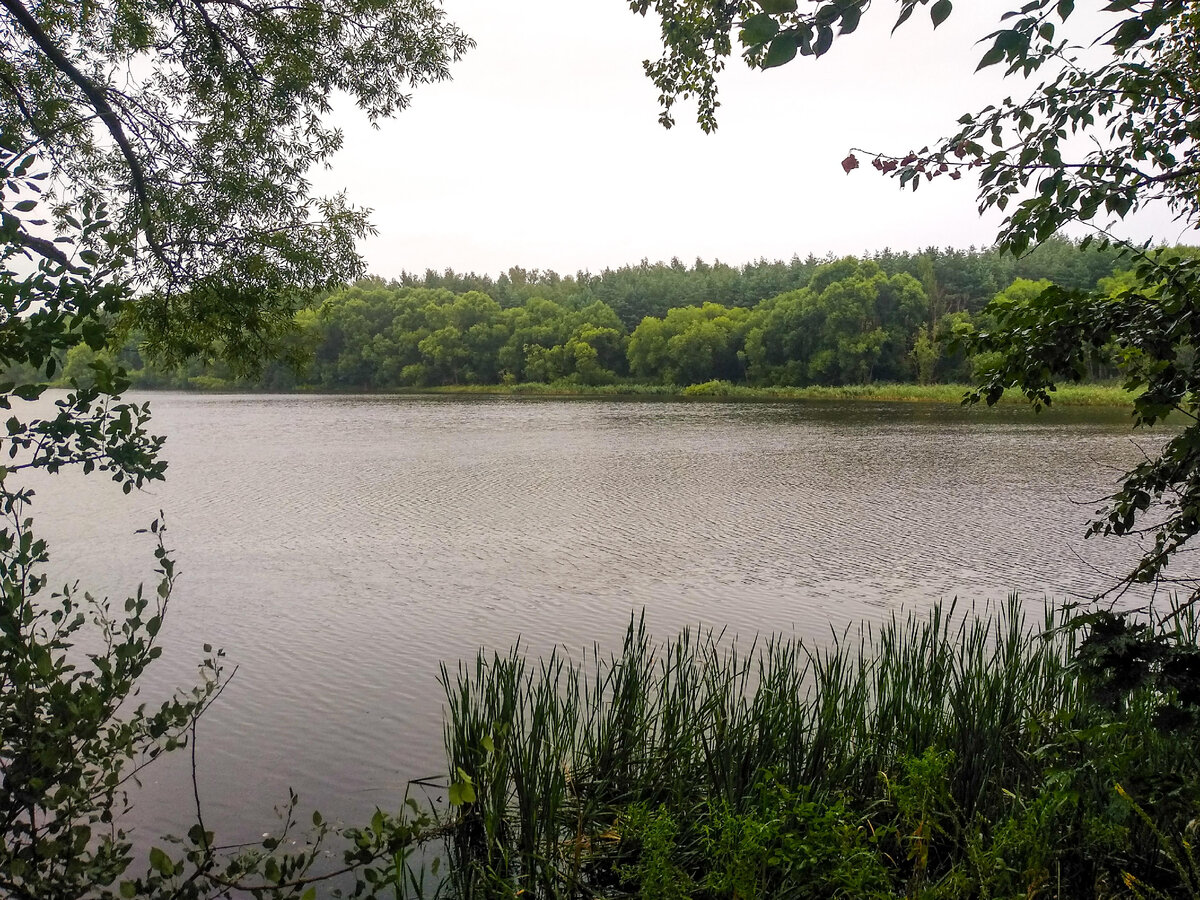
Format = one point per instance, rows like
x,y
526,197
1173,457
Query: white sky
x,y
545,150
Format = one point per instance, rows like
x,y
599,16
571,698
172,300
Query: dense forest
x,y
886,317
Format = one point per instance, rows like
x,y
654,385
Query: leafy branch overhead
x,y
197,121
1108,124
153,177
698,38
1091,140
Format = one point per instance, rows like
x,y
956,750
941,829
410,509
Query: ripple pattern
x,y
338,548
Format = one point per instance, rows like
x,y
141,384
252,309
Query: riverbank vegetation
x,y
1106,395
957,753
833,323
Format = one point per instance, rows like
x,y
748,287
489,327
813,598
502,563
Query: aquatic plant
x,y
951,753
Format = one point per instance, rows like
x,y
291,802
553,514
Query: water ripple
x,y
340,547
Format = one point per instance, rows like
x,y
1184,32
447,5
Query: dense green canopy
x,y
823,322
198,122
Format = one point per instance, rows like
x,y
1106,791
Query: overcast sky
x,y
545,151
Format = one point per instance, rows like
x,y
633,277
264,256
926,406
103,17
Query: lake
x,y
340,547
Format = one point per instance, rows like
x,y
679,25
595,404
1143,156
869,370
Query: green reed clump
x,y
948,754
1109,395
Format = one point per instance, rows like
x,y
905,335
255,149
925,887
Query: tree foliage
x,y
197,121
553,328
1110,126
690,345
839,330
964,279
153,160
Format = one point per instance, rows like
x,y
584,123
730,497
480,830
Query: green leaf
x,y
95,335
758,30
824,40
778,7
128,890
25,206
782,50
463,790
993,56
460,793
905,13
850,20
1129,33
487,743
161,863
940,11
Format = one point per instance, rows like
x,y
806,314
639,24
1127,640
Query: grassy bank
x,y
938,756
1067,395
1110,395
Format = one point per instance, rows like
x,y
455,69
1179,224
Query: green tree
x,y
1099,136
595,353
153,162
78,362
925,355
198,121
484,333
1022,291
690,345
446,355
851,324
534,327
648,348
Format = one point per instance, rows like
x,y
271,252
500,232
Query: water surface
x,y
338,548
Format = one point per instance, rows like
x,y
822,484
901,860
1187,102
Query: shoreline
x,y
1067,395
1095,395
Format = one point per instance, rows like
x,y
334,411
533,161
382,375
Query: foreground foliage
x,y
936,756
154,157
74,732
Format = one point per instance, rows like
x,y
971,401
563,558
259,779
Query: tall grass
x,y
1105,395
1065,395
563,753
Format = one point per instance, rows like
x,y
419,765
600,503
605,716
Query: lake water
x,y
338,548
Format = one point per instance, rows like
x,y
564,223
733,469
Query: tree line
x,y
966,279
889,317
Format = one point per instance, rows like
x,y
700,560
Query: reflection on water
x,y
339,547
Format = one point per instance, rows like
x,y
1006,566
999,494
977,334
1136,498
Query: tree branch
x,y
99,102
43,247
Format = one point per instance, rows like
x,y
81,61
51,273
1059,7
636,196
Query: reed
x,y
1099,395
583,767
